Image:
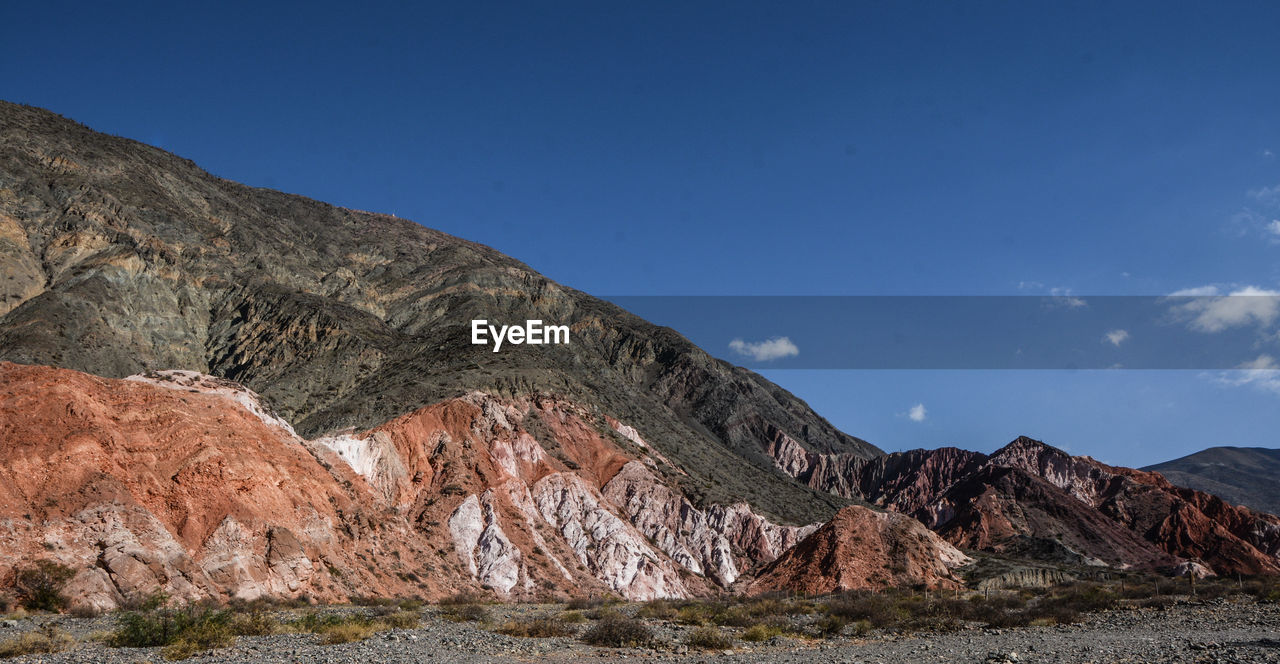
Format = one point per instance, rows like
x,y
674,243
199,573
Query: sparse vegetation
x,y
40,642
715,624
585,603
464,607
181,632
348,631
539,627
658,609
39,588
617,631
708,638
761,632
336,627
465,613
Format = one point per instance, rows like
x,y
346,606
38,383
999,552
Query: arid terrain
x,y
241,425
1226,629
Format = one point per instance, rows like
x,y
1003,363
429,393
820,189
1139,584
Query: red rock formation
x,y
1185,523
1031,491
862,548
185,483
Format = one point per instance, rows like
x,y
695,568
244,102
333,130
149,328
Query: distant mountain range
x,y
1248,476
220,391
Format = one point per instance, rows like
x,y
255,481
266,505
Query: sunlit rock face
x,y
861,548
1031,496
190,485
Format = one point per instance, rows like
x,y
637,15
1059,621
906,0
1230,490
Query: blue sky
x,y
833,148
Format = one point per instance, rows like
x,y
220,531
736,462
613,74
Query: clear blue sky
x,y
752,148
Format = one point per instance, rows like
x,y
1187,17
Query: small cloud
x,y
1267,195
1116,337
1210,312
1262,373
1126,275
1198,291
917,413
1030,285
1268,153
1261,363
1258,216
764,351
1062,297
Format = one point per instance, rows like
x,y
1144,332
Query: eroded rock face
x,y
672,522
1089,511
603,542
188,484
862,548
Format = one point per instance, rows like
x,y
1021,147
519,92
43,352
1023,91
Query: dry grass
x,y
40,642
539,628
708,638
347,632
616,631
465,613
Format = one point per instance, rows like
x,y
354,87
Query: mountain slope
x,y
121,258
186,483
861,548
1030,496
1242,475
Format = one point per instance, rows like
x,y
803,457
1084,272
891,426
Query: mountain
x,y
1243,475
1030,497
861,548
121,258
219,391
190,484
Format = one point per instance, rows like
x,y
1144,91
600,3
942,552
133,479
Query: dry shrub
x,y
617,631
41,642
708,638
540,628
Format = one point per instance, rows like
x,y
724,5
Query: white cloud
x,y
1262,373
1198,291
1268,154
1261,363
917,413
1268,195
1258,217
1211,312
1030,285
763,351
1063,297
1116,337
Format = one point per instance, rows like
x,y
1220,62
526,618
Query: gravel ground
x,y
1214,632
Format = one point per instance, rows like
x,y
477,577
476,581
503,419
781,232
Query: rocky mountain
x,y
1032,499
1243,475
196,322
219,391
861,548
187,483
121,258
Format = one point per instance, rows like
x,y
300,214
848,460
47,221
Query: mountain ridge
x,y
152,310
1243,475
128,259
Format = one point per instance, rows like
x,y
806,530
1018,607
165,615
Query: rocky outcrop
x,y
1072,506
188,484
862,548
